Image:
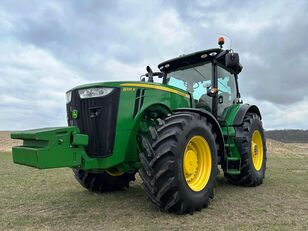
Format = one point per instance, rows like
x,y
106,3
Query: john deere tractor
x,y
175,131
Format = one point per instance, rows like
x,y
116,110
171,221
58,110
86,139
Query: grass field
x,y
31,199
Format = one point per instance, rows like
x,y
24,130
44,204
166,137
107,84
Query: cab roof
x,y
204,56
189,59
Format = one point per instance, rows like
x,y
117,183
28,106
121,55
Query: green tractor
x,y
174,131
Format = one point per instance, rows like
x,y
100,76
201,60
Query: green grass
x,y
52,200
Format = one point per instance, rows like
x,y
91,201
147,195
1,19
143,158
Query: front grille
x,y
96,118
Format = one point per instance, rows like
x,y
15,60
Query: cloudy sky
x,y
47,47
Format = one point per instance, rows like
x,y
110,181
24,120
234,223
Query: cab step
x,y
233,166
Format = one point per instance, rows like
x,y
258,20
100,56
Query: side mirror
x,y
232,60
149,70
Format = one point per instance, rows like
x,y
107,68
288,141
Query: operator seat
x,y
204,103
225,103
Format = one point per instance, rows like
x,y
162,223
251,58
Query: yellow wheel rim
x,y
257,150
114,172
197,163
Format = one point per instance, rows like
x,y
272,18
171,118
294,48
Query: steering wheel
x,y
196,86
186,83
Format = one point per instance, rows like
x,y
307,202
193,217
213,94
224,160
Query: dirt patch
x,y
6,142
286,149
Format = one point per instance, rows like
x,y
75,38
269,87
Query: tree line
x,y
288,135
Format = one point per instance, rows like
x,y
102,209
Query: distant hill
x,y
288,136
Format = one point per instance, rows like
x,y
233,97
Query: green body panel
x,y
41,148
125,154
228,130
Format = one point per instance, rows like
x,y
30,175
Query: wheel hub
x,y
197,163
114,172
257,150
190,162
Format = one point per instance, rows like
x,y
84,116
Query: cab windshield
x,y
194,79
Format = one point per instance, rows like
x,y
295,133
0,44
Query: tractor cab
x,y
210,76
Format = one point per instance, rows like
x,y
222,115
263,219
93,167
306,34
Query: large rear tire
x,y
103,182
179,163
252,151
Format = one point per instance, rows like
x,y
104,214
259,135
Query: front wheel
x,y
107,181
179,163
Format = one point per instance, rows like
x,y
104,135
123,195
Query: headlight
x,y
94,92
68,97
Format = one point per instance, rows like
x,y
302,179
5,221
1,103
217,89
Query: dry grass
x,y
53,200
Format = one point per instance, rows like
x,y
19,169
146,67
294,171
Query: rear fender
x,y
243,110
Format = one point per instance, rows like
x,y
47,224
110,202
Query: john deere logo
x,y
74,114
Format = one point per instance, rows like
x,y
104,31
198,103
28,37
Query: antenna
x,y
227,37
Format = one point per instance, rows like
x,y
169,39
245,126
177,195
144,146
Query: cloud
x,y
33,85
269,37
47,47
87,35
278,116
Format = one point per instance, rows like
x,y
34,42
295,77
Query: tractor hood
x,y
100,84
136,84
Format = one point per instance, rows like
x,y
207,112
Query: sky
x,y
48,47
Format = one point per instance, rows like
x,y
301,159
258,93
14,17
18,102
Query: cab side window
x,y
227,89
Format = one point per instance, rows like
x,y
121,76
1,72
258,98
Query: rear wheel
x,y
109,180
253,152
179,163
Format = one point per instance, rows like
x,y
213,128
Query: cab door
x,y
227,90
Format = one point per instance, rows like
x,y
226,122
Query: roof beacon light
x,y
221,41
